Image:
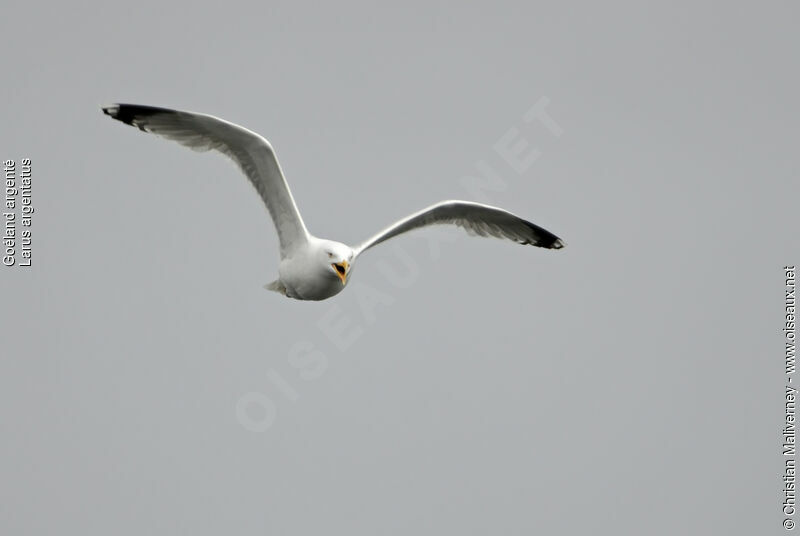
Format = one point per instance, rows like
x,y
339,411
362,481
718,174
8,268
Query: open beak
x,y
341,270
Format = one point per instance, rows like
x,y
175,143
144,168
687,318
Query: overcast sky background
x,y
630,383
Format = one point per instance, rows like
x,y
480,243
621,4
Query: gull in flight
x,y
312,268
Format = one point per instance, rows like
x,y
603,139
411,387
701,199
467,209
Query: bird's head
x,y
338,259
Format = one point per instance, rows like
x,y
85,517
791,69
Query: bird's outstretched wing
x,y
251,152
477,219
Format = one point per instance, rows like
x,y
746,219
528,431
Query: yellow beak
x,y
341,270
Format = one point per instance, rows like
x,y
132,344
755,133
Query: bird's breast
x,y
303,282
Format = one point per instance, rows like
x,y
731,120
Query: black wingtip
x,y
544,238
129,113
110,109
550,242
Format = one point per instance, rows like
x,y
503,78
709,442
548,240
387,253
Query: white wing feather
x,y
476,218
251,152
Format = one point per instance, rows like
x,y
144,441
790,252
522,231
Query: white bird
x,y
312,268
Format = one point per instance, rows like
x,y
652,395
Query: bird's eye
x,y
330,255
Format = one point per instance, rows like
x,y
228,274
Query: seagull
x,y
312,268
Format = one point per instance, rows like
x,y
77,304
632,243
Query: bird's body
x,y
312,268
306,274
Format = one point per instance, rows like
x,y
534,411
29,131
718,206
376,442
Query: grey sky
x,y
630,383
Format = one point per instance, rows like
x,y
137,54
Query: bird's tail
x,y
276,286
